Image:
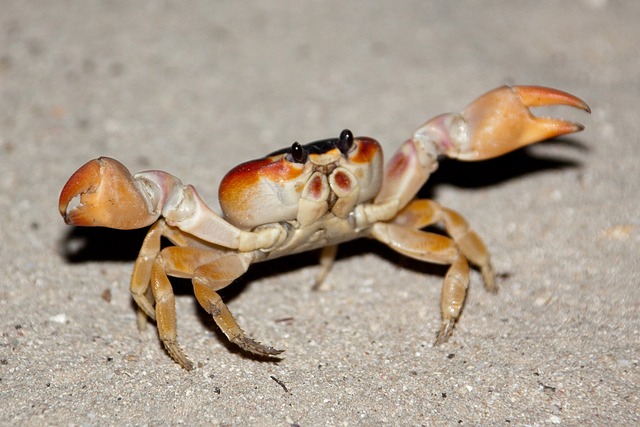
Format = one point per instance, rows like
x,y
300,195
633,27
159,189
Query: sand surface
x,y
196,88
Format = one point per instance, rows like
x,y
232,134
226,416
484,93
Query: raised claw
x,y
103,193
499,122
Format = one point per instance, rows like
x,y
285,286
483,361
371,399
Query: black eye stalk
x,y
345,142
298,153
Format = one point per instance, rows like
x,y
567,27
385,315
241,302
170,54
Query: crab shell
x,y
321,179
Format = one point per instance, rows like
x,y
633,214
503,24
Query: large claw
x,y
104,193
499,122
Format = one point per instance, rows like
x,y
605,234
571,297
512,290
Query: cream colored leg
x,y
178,262
209,270
141,275
209,278
435,248
327,258
421,213
166,312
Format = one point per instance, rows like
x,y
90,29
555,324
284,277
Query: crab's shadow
x,y
487,173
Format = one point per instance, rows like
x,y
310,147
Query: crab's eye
x,y
298,153
345,142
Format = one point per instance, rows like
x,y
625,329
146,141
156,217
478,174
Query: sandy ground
x,y
195,90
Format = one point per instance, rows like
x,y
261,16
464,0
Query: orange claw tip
x,y
103,193
84,180
539,96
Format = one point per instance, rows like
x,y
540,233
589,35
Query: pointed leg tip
x,y
490,283
255,347
276,352
492,288
444,333
177,353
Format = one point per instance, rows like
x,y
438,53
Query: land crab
x,y
307,197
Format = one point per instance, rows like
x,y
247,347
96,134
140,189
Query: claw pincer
x,y
306,197
104,193
499,122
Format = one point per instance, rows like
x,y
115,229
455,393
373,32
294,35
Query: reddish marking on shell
x,y
240,178
342,180
281,171
367,150
239,184
248,173
315,187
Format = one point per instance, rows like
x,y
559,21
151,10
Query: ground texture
x,y
196,89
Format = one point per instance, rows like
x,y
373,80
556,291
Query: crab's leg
x,y
421,213
494,124
151,268
434,248
209,278
165,306
209,270
327,259
141,275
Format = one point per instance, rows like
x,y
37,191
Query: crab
x,y
306,197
